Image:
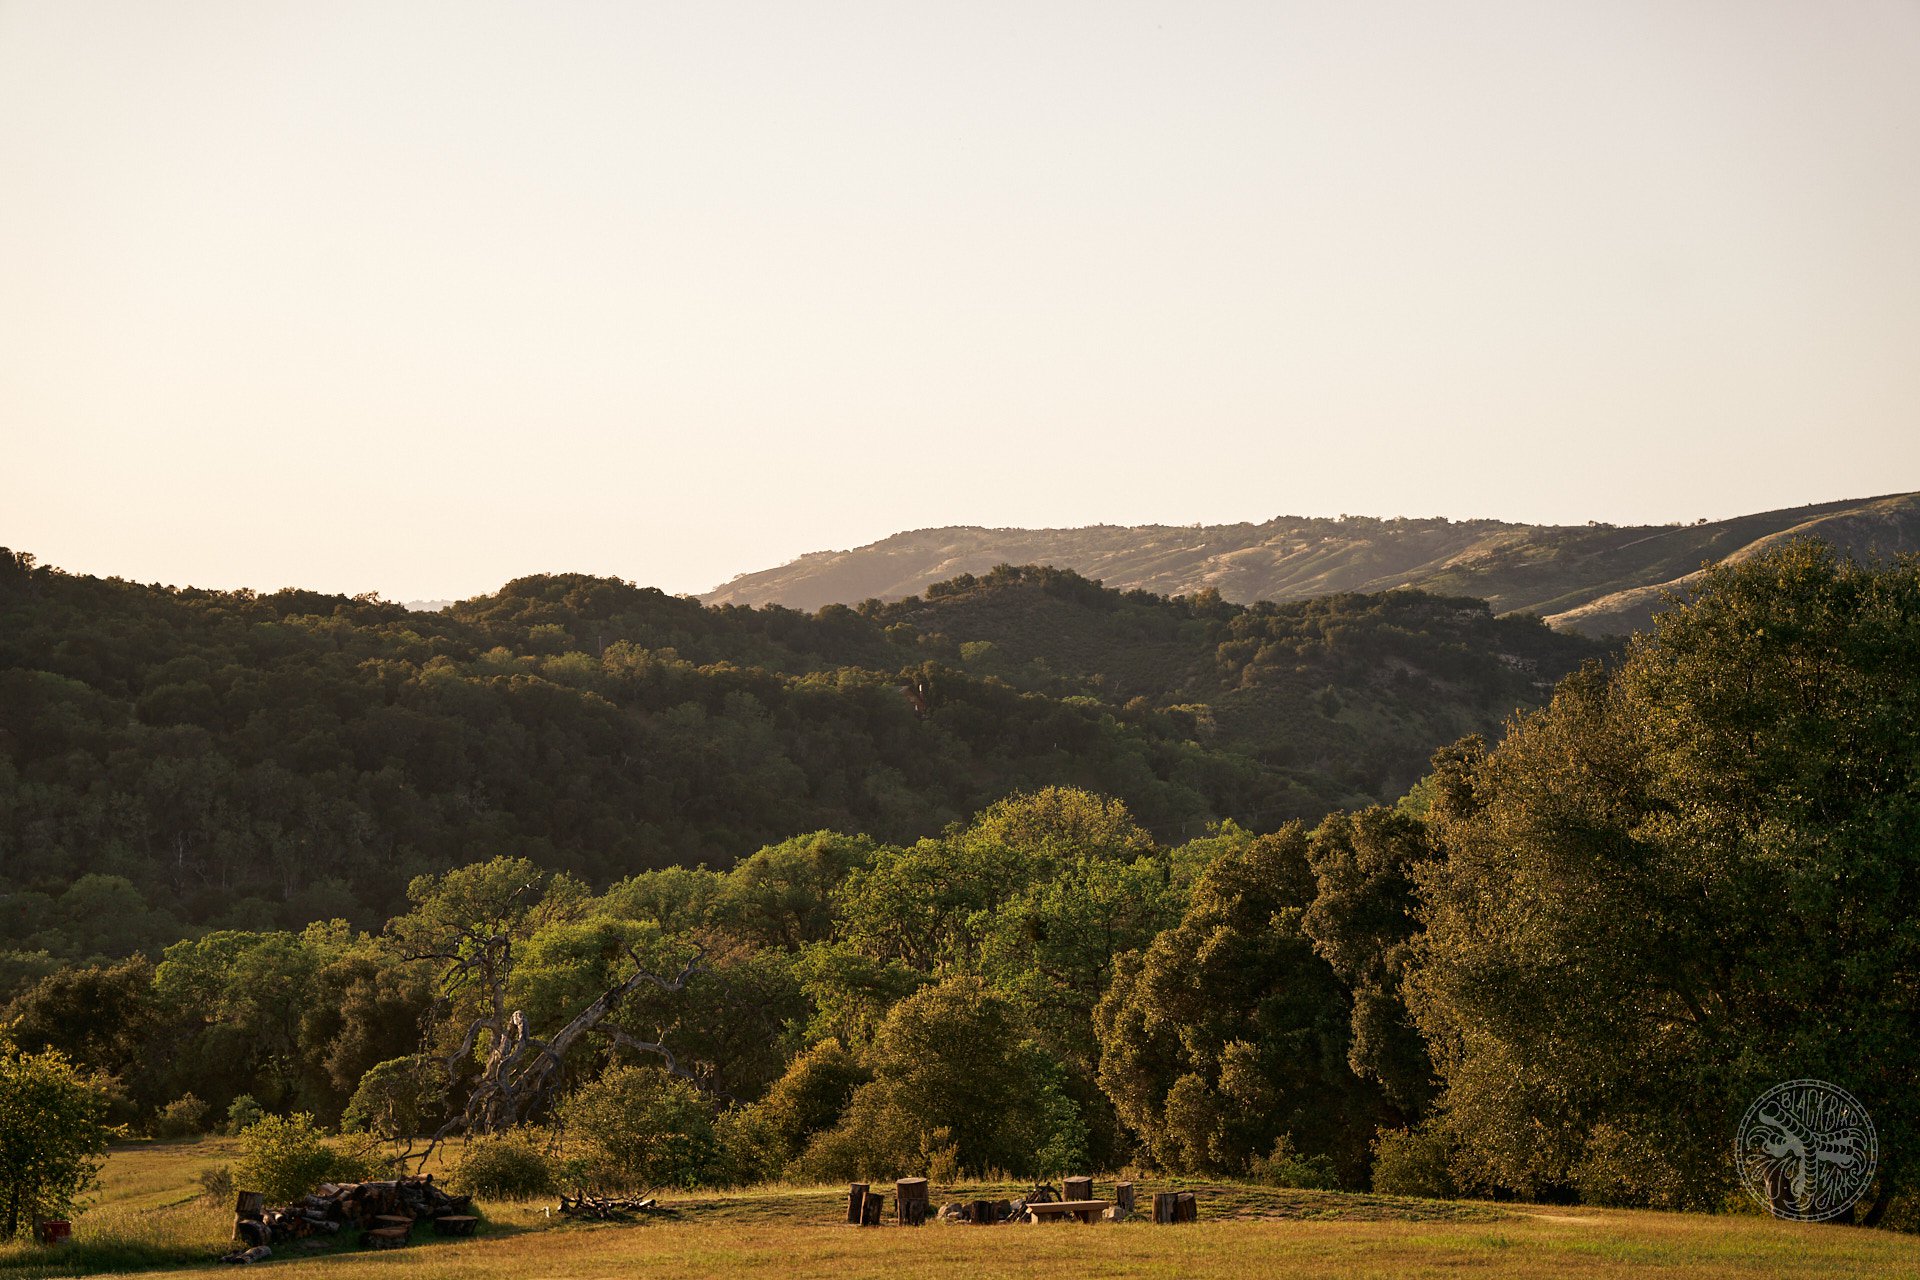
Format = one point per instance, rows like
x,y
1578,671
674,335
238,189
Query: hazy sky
x,y
419,297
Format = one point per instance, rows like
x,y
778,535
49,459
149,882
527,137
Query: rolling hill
x,y
1596,579
232,758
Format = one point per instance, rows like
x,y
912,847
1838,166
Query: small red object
x,y
56,1231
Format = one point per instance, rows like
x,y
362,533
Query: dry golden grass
x,y
148,1218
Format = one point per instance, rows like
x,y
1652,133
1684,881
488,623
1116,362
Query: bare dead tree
x,y
522,1073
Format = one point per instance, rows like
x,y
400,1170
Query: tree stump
x,y
910,1201
385,1238
856,1204
983,1214
394,1221
1123,1196
873,1208
1163,1207
1186,1208
455,1224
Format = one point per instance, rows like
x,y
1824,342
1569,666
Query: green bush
x,y
184,1117
513,1166
1412,1162
639,1128
243,1113
751,1147
216,1182
812,1095
1287,1167
287,1157
395,1099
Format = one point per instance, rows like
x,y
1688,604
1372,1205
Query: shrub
x,y
394,1100
751,1147
812,1095
243,1113
1412,1162
216,1182
951,1057
940,1156
639,1128
1287,1167
512,1166
184,1117
287,1157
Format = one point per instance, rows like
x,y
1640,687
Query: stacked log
x,y
385,1211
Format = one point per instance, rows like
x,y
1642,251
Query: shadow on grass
x,y
158,1244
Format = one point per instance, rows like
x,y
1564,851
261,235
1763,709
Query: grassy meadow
x,y
149,1215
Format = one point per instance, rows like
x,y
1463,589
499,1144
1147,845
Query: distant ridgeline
x,y
1597,579
260,760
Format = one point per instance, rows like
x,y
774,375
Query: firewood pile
x,y
609,1209
386,1213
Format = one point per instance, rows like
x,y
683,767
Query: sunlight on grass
x,y
148,1219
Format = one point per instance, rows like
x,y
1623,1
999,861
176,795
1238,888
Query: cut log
x,y
394,1221
1163,1206
981,1214
249,1204
1076,1188
259,1253
455,1224
856,1204
873,1209
1123,1196
251,1231
385,1238
910,1201
1186,1207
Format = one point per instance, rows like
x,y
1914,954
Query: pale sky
x,y
416,298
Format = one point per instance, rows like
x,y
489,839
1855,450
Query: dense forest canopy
x,y
177,758
1559,967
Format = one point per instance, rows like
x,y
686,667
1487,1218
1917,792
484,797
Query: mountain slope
x,y
244,759
1597,579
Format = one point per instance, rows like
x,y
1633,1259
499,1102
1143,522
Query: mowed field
x,y
150,1218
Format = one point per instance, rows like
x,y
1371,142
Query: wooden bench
x,y
1081,1210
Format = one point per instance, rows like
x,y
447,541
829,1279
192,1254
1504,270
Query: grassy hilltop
x,y
1598,579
